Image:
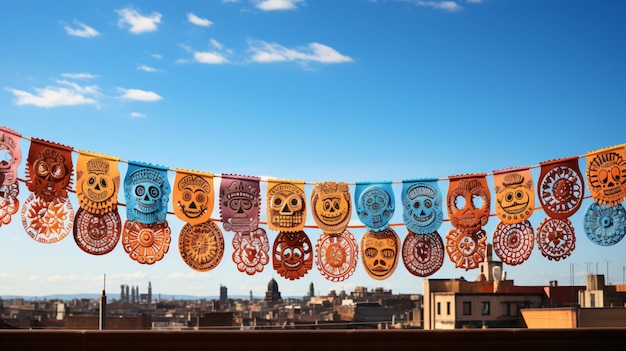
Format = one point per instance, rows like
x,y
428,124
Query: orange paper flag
x,y
193,196
286,205
606,175
97,182
515,194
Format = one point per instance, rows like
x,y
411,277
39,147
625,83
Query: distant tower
x,y
223,293
149,292
272,294
488,265
251,297
127,296
122,293
311,290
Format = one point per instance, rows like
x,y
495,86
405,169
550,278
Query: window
x,y
448,307
592,299
467,308
485,308
438,307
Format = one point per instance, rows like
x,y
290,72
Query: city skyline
x,y
313,91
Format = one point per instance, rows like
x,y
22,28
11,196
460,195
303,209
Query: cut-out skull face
x,y
240,200
468,202
193,195
514,196
97,184
10,156
331,206
147,194
49,169
286,207
606,176
375,204
292,255
421,201
380,251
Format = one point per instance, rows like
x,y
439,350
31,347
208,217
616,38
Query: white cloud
x,y
216,44
66,94
139,95
147,68
474,1
209,57
277,5
138,23
451,6
203,22
137,115
265,52
79,75
83,30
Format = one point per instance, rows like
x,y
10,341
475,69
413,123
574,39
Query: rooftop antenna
x,y
103,305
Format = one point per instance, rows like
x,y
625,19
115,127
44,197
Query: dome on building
x,y
272,294
272,286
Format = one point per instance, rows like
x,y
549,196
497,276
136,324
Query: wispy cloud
x,y
147,68
65,94
79,75
137,22
450,6
278,5
137,115
82,30
203,22
264,52
139,95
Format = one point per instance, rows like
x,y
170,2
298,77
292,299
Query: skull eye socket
x,y
371,252
477,201
615,173
336,204
200,197
91,181
519,194
459,202
103,182
326,205
428,203
186,195
57,171
508,197
603,175
295,202
140,190
41,167
416,205
246,204
154,191
387,253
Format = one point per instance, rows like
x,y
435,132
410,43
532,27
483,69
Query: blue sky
x,y
322,90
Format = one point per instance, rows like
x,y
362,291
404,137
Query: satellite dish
x,y
496,272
